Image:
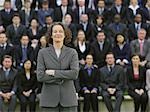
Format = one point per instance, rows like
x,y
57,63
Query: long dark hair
x,y
67,31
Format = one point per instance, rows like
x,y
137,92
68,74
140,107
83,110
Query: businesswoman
x,y
57,67
136,76
27,84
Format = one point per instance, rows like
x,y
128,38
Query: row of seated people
x,y
110,80
99,48
28,23
97,7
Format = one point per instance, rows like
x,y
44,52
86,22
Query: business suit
x,y
135,48
8,49
25,84
148,86
98,54
122,13
19,55
113,79
15,36
140,83
31,35
132,32
8,84
89,81
58,13
58,89
23,16
6,17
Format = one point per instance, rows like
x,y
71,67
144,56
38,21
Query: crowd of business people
x,y
111,38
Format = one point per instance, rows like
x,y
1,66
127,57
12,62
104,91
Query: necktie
x,y
110,69
137,27
141,47
101,46
16,28
24,54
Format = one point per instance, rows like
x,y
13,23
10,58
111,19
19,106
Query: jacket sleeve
x,y
72,73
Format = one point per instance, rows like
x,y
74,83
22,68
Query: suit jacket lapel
x,y
52,52
63,53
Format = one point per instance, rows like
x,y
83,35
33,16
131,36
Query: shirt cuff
x,y
125,61
84,88
118,61
1,92
95,89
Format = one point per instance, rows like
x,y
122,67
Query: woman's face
x,y
81,35
27,65
58,34
43,40
136,60
120,39
34,23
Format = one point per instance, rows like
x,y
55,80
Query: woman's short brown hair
x,y
68,34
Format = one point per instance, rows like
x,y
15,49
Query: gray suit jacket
x,y
60,87
135,47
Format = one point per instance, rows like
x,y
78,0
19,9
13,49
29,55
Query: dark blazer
x,y
18,54
9,84
31,36
18,4
6,18
122,53
58,13
89,35
132,32
122,13
133,83
98,55
76,14
9,50
24,84
14,37
89,81
82,55
115,79
33,14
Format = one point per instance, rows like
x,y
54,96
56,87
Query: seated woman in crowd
x,y
136,76
89,80
27,84
82,47
121,50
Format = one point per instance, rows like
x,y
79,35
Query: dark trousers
x,y
107,99
24,101
90,99
11,104
139,101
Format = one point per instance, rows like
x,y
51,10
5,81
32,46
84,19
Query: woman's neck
x,y
27,70
58,45
135,66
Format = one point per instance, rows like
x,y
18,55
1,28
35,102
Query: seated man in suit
x,y
141,47
8,84
112,83
23,51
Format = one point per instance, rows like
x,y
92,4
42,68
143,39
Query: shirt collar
x,y
6,69
111,66
86,67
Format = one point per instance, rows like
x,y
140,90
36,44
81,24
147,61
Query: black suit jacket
x,y
58,13
133,83
32,36
8,84
14,37
115,79
89,81
9,50
89,34
24,84
82,55
33,14
98,55
6,18
122,13
132,32
18,54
